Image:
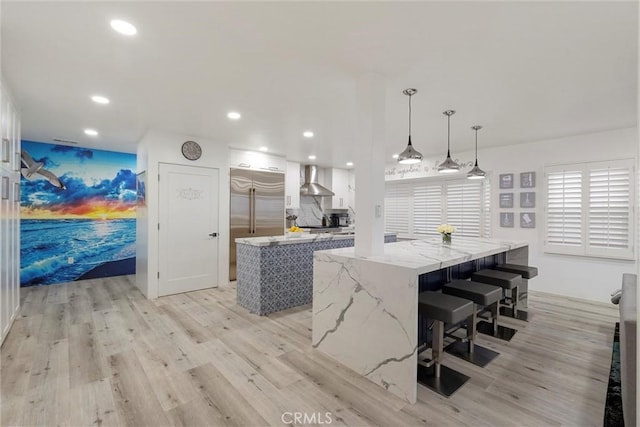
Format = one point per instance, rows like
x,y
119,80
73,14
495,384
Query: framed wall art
x,y
527,180
528,199
506,200
527,220
506,219
506,180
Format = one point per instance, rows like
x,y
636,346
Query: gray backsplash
x,y
310,212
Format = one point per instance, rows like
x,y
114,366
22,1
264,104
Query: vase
x,y
446,239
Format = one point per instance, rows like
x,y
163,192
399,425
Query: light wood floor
x,y
97,353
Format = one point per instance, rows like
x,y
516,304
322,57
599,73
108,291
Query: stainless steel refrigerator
x,y
257,208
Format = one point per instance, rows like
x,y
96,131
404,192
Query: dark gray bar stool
x,y
527,272
484,297
441,309
508,282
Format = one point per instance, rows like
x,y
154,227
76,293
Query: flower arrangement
x,y
446,231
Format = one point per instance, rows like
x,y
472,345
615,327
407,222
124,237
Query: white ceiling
x,y
524,70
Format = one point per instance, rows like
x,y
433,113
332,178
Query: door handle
x,y
213,234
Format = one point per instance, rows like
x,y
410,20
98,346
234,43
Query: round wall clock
x,y
191,150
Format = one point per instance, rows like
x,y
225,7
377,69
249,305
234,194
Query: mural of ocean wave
x,y
48,246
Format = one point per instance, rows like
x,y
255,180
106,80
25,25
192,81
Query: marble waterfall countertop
x,y
426,255
290,240
365,309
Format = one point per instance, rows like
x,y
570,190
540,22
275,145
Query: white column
x,y
369,169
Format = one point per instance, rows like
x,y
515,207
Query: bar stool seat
x,y
441,309
480,293
527,272
508,282
503,279
484,297
445,308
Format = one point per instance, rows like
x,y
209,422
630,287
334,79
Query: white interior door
x,y
188,228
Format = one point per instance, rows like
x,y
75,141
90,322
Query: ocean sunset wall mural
x,y
78,210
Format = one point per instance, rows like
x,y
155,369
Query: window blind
x,y
609,208
397,205
417,208
464,207
564,207
589,209
427,209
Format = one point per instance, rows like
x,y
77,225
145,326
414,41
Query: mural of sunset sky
x,y
78,209
99,184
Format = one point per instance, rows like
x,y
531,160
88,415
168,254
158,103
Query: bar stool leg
x,y
433,374
438,342
478,355
493,328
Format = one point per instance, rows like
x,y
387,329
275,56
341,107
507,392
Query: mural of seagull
x,y
33,169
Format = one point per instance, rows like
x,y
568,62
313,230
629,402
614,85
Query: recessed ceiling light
x,y
395,156
98,99
307,134
312,157
349,163
123,27
263,149
233,115
91,132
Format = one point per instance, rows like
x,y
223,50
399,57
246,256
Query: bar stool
x,y
527,272
508,282
441,309
484,297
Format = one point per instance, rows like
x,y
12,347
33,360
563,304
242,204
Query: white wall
x,y
580,277
164,147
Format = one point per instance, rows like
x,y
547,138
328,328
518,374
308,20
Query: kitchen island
x,y
276,272
365,309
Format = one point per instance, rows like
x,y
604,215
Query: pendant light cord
x,y
410,115
448,134
476,145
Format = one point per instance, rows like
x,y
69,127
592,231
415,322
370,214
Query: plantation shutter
x,y
589,209
464,207
427,209
609,216
564,208
397,204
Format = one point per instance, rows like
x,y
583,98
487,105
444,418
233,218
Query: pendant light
x,y
448,166
409,155
476,172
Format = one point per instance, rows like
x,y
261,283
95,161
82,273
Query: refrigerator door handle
x,y
250,210
253,212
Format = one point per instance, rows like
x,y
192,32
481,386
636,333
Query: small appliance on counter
x,y
339,219
291,221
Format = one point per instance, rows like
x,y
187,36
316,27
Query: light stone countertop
x,y
428,254
290,240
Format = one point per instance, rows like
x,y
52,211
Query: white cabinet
x,y
9,213
256,161
292,186
337,180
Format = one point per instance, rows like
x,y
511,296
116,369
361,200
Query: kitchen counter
x,y
300,238
426,255
365,309
276,272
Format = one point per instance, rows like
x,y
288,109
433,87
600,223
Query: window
x,y
417,208
589,209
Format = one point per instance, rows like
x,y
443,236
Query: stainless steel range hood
x,y
311,186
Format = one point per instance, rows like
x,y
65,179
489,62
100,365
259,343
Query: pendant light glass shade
x,y
448,166
476,172
409,155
